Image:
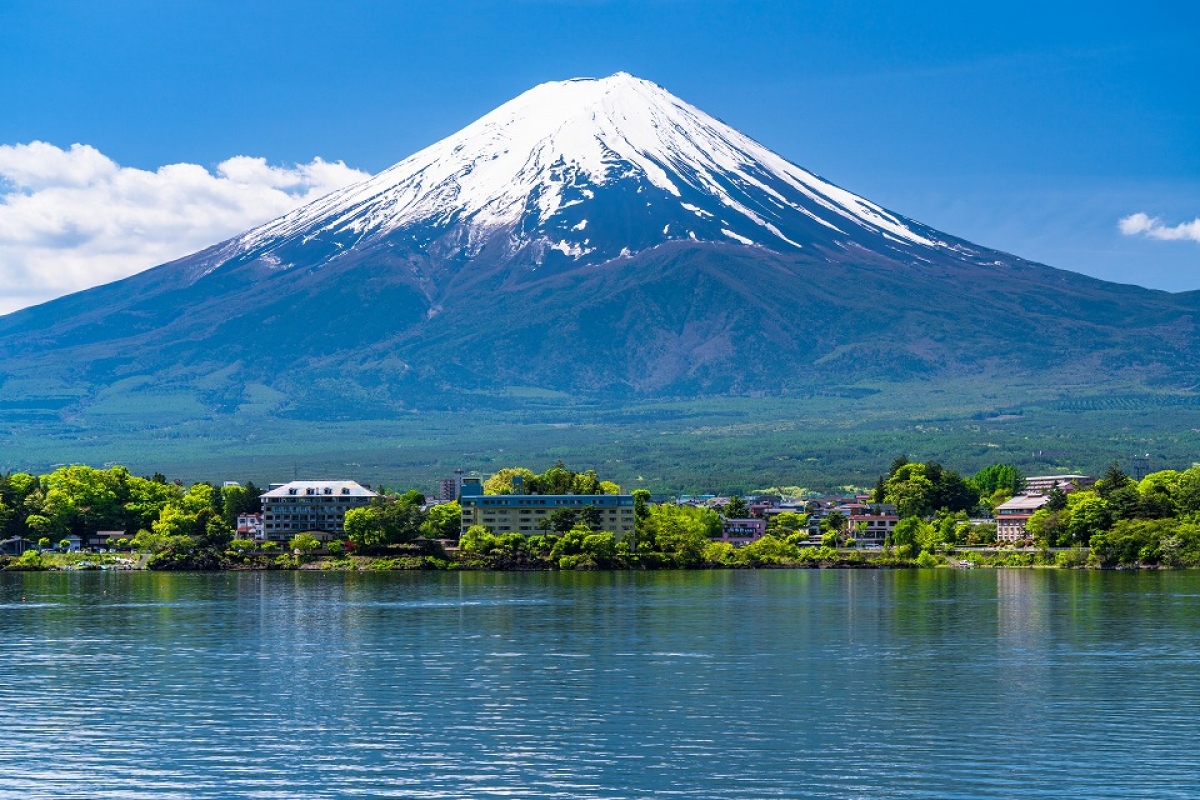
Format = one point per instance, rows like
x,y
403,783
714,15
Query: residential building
x,y
105,539
250,526
16,546
1012,516
742,531
520,513
1044,484
450,488
871,523
317,507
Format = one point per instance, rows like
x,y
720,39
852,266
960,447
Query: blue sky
x,y
1031,127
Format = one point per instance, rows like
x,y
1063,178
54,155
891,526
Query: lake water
x,y
789,684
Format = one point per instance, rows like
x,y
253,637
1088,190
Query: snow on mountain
x,y
590,167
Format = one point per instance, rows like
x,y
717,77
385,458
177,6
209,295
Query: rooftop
x,y
313,488
1024,502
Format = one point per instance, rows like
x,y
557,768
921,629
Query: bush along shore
x,y
1118,522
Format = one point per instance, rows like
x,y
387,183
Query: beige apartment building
x,y
520,513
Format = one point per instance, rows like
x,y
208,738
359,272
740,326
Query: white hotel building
x,y
317,507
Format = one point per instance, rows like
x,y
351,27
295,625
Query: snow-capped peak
x,y
533,166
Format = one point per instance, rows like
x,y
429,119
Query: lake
x,y
727,684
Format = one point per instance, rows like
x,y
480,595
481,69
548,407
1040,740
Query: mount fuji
x,y
598,238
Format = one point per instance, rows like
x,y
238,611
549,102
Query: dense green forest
x,y
823,442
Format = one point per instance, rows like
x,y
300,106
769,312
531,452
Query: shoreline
x,y
413,562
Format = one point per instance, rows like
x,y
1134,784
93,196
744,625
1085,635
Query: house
x,y
871,523
317,507
74,543
742,531
520,513
16,546
104,539
1012,516
250,526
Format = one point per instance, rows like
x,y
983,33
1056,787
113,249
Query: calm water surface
x,y
791,684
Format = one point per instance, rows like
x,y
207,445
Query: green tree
x,y
736,508
1114,479
200,497
233,500
998,477
305,543
386,521
364,528
556,480
717,552
81,499
145,500
1056,500
910,491
833,522
175,521
679,533
921,489
768,550
1187,491
641,513
443,521
913,533
1132,542
1047,528
501,482
641,503
39,524
477,539
147,541
16,490
1088,514
562,520
786,523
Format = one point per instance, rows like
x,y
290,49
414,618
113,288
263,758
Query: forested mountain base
x,y
732,444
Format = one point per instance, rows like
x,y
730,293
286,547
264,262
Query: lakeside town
x,y
922,514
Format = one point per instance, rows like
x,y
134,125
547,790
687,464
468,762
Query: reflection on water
x,y
795,684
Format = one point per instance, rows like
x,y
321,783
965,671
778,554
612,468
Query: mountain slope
x,y
596,237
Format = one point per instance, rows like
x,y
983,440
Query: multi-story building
x,y
317,507
1044,484
1012,516
520,513
450,488
743,531
871,523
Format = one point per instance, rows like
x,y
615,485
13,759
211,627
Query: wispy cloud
x,y
1140,224
74,218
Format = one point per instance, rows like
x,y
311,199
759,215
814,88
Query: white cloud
x,y
1153,227
71,219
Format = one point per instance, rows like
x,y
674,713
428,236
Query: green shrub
x,y
720,553
1070,559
